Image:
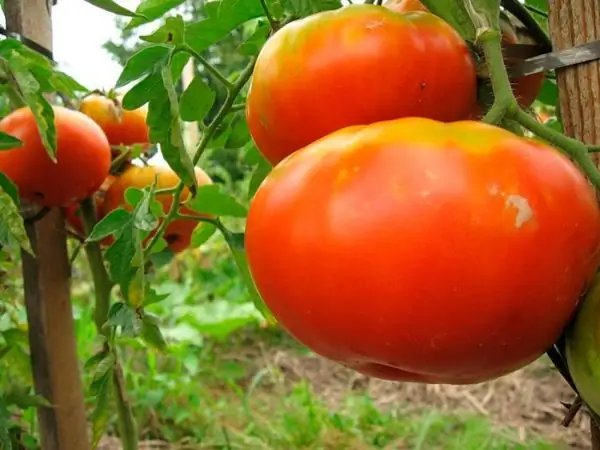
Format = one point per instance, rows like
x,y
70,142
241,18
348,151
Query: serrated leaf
x,y
110,224
41,109
11,221
172,32
253,45
154,297
110,6
202,233
151,333
210,199
120,256
66,84
223,17
143,200
196,101
152,10
101,414
145,91
95,359
173,148
142,63
8,142
235,241
123,317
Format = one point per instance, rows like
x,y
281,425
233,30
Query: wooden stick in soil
x,y
574,22
47,289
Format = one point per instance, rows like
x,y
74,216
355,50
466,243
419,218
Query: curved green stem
x,y
572,147
518,9
593,148
212,71
272,22
536,10
202,145
102,288
504,99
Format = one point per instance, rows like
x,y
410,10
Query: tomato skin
x,y
72,213
179,232
351,66
83,158
414,250
130,129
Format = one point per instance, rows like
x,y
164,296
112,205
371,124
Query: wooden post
x,y
47,288
191,134
571,23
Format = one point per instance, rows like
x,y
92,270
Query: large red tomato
x,y
526,89
356,65
416,250
179,232
83,158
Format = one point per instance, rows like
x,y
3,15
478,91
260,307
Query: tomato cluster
x,y
88,140
395,235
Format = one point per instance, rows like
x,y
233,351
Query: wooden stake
x,y
47,289
571,23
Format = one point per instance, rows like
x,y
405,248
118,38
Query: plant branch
x,y
102,288
208,67
504,99
272,22
536,10
575,149
519,10
237,86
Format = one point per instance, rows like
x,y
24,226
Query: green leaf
x,y
152,10
110,6
172,145
260,173
202,233
41,109
124,317
120,256
5,441
150,88
223,17
111,224
196,101
235,241
24,400
253,45
101,389
12,225
239,133
151,333
154,297
303,8
455,13
143,216
549,93
142,63
172,32
8,142
210,200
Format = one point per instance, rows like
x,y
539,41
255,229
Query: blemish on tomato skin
x,y
524,210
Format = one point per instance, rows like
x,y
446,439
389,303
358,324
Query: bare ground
x,y
527,401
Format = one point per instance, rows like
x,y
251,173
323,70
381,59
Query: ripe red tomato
x,y
83,158
526,89
122,127
179,232
415,250
356,65
72,212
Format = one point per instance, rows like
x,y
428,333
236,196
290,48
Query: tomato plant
x,y
178,233
82,157
355,70
419,251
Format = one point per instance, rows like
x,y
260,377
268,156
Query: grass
x,y
220,387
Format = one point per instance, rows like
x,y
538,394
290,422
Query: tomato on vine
x,y
416,250
121,126
179,232
356,65
83,158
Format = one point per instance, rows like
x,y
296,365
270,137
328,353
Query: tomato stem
x,y
272,22
207,66
102,288
202,145
572,147
504,99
